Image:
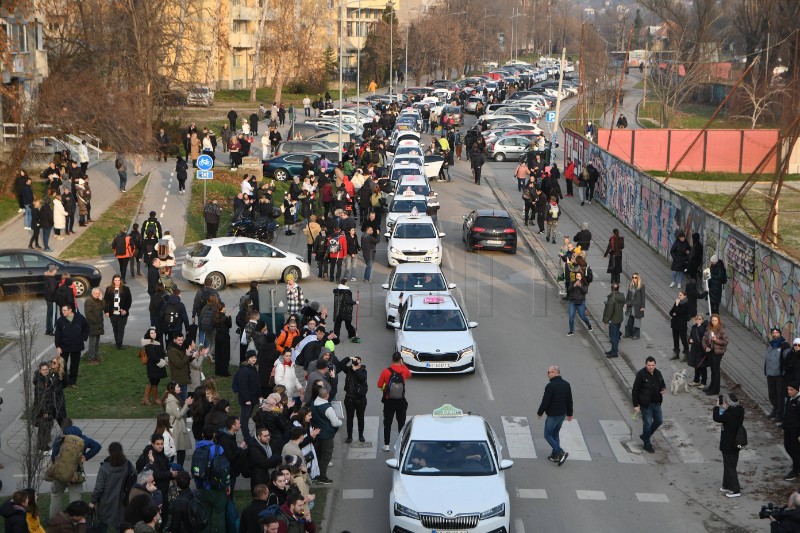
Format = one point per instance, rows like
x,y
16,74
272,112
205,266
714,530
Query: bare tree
x,y
760,94
26,326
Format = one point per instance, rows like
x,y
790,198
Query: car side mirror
x,y
395,325
385,286
464,217
387,234
505,464
472,325
393,464
451,285
442,234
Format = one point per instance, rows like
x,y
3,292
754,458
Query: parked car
x,y
487,229
240,260
472,103
201,96
318,147
22,270
508,147
285,166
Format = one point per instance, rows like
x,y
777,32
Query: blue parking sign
x,y
550,116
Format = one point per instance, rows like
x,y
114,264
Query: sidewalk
x,y
742,365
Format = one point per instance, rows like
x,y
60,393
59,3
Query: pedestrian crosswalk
x,y
584,440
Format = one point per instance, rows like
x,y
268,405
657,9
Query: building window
x,y
21,37
237,60
349,29
239,26
39,33
235,2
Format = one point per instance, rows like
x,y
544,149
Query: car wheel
x,y
292,270
218,281
81,285
281,174
513,251
499,157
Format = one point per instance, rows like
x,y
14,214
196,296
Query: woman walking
x,y
715,342
634,307
576,294
351,259
118,303
679,316
156,365
177,420
697,355
108,498
57,373
181,173
616,243
695,257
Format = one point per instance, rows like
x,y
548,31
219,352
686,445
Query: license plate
x,y
427,259
439,365
448,531
495,243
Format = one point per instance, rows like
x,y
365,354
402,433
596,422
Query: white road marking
x,y
484,378
681,441
597,495
357,494
17,375
371,432
519,441
532,494
652,497
617,432
519,527
572,441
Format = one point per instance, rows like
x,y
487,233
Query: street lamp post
x,y
391,47
485,16
341,61
514,35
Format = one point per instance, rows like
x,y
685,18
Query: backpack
x,y
589,277
65,465
207,318
198,515
554,211
171,315
334,245
741,437
147,225
216,471
396,388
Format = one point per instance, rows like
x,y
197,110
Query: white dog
x,y
678,381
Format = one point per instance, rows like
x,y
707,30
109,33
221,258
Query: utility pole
x,y
391,47
558,104
360,34
644,96
581,86
341,60
405,78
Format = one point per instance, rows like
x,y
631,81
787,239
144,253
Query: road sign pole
x,y
558,105
204,165
205,227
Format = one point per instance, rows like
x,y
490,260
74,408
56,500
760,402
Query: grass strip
x,y
717,176
96,239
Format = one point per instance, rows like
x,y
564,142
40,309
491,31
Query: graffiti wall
x,y
764,285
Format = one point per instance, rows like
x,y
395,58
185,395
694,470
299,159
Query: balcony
x,y
250,13
242,40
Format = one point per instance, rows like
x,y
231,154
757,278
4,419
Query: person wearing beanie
x,y
584,237
321,373
774,369
718,279
731,415
791,429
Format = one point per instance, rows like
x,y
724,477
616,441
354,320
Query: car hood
x,y
432,494
426,340
417,245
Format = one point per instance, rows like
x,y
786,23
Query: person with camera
x,y
731,416
786,519
355,394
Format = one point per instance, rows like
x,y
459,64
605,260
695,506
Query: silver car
x,y
472,103
508,148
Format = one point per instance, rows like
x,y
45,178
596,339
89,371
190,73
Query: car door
x,y
34,265
233,262
468,221
294,163
12,277
264,262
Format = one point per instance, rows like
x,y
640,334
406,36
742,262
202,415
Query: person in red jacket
x,y
569,175
392,383
337,251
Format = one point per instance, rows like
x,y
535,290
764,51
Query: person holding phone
x,y
355,394
731,416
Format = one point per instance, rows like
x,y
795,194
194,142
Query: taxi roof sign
x,y
447,410
409,192
414,212
433,300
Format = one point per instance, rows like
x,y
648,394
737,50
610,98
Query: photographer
x,y
787,520
355,394
731,416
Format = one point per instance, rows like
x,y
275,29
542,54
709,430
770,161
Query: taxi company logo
x,y
449,512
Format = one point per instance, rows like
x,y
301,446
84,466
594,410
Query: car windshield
x,y
434,320
200,250
422,190
414,231
447,458
419,282
413,150
405,206
410,171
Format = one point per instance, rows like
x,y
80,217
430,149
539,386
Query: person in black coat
x,y
680,259
179,523
647,395
249,390
343,309
249,520
72,331
557,404
36,224
616,244
719,277
697,356
153,457
13,513
181,172
226,437
695,261
222,340
262,457
679,316
731,416
692,295
267,355
355,394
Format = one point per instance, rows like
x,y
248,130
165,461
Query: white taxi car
x,y
403,204
412,278
433,335
416,184
414,239
448,476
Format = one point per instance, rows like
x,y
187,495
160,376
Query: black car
x,y
490,229
23,269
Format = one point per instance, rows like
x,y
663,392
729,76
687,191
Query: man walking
x,y
612,315
646,395
343,309
392,382
123,250
557,404
78,449
122,171
72,331
211,214
731,416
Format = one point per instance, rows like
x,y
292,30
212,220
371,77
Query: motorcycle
x,y
262,230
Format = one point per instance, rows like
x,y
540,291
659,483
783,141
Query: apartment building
x,y
23,59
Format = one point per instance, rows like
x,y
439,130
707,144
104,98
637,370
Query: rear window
x,y
493,222
200,250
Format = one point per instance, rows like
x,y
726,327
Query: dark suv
x,y
490,229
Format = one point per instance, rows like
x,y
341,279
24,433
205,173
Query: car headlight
x,y
435,250
465,351
95,272
402,510
405,350
499,510
300,259
394,250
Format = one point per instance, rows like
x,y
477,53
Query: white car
x,y
433,336
413,184
449,475
399,169
240,260
412,278
415,239
403,204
